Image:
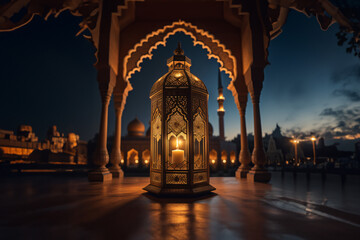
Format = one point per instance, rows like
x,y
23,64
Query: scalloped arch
x,y
145,47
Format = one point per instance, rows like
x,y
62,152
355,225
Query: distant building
x,y
25,147
276,147
281,150
18,147
321,143
135,146
277,132
274,156
222,153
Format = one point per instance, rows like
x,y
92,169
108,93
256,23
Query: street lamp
x,y
313,139
295,141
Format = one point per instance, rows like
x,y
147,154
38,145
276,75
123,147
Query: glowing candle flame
x,y
177,154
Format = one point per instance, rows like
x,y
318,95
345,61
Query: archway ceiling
x,y
326,12
222,47
142,31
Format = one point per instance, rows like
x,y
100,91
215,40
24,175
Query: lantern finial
x,y
178,50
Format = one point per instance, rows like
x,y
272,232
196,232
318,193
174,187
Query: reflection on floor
x,y
55,207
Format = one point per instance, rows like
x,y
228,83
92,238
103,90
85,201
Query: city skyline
x,y
313,99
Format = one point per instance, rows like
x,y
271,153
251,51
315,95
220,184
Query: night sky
x,y
47,75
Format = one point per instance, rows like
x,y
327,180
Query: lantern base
x,y
179,191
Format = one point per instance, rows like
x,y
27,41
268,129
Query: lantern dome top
x,y
179,75
136,128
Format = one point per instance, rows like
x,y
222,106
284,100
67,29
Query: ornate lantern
x,y
179,131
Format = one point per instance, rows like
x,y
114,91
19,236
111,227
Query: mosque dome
x,y
136,128
211,130
179,75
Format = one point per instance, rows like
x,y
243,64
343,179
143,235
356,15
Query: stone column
x,y
101,157
258,156
115,157
255,43
106,41
240,93
244,155
258,173
120,94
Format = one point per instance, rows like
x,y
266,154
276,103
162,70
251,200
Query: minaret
x,y
221,110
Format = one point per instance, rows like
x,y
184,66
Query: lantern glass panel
x,y
199,142
177,153
156,141
177,147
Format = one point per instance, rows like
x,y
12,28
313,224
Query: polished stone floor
x,y
63,207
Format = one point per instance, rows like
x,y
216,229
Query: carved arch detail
x,y
144,48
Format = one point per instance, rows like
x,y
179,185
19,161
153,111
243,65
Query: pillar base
x,y
241,173
259,176
117,172
99,175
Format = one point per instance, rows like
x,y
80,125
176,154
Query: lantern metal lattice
x,y
179,162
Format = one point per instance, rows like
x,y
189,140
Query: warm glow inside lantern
x,y
179,161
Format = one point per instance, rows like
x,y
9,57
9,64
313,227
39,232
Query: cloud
x,y
343,122
347,75
347,80
340,123
295,131
331,112
349,94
